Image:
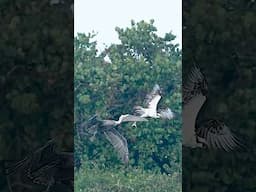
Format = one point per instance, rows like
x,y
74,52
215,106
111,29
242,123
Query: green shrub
x,y
125,180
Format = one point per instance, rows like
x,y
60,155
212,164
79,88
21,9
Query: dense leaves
x,y
125,181
111,88
36,76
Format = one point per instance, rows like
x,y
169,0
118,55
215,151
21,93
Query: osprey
x,y
151,101
107,127
213,134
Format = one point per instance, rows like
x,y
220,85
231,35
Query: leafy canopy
x,y
114,88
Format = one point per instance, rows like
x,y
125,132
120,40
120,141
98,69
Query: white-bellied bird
x,y
151,111
213,134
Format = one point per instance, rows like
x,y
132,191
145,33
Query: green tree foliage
x,y
114,88
220,37
120,180
36,76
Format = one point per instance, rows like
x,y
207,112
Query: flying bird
x,y
151,101
107,127
213,134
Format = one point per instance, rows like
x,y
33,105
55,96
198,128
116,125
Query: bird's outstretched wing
x,y
119,143
194,84
166,113
153,97
131,118
218,136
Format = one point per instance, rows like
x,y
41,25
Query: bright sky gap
x,y
103,16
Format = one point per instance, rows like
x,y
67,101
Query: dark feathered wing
x,y
191,86
119,143
218,136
